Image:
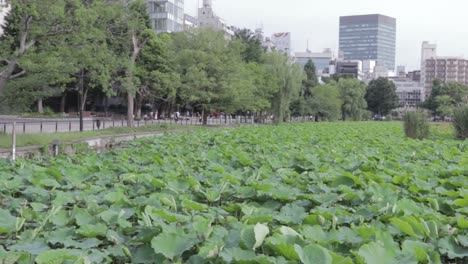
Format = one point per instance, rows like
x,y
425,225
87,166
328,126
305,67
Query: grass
x,y
441,131
24,140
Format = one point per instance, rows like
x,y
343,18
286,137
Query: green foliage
x,y
266,194
460,122
416,125
252,46
351,94
286,79
381,96
311,78
444,99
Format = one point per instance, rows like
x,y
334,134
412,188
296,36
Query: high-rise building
x,y
166,15
3,11
428,51
369,37
208,19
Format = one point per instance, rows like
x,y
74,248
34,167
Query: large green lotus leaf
x,y
33,248
261,231
423,252
313,254
173,244
7,222
283,245
291,214
92,230
404,226
314,233
449,246
375,253
231,255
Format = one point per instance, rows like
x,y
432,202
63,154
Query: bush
x,y
416,125
460,122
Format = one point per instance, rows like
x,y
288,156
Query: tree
x,y
311,79
155,74
28,24
301,105
87,50
210,70
252,46
351,94
325,101
139,32
381,96
431,103
286,79
444,99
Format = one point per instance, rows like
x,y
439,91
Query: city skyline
x,y
305,19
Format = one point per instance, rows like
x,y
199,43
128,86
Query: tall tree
x,y
28,24
325,102
301,105
88,52
252,46
381,96
156,77
431,103
286,79
139,32
209,67
311,81
351,94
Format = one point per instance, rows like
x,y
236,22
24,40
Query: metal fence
x,y
60,126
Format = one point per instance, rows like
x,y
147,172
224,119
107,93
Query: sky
x,y
442,22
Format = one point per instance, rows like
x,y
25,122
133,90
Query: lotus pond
x,y
327,193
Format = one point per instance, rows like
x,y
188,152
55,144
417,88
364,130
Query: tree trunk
x,y
63,101
40,106
205,117
130,105
82,99
138,105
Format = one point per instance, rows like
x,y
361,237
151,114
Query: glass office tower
x,y
166,15
369,37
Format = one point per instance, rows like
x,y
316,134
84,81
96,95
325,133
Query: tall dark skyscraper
x,y
369,37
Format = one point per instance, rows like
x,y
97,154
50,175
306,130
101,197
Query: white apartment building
x,y
166,15
208,19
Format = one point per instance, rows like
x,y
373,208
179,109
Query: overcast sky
x,y
441,22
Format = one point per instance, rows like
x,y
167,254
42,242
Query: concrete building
x,y
445,69
349,67
321,60
369,37
208,19
428,51
410,93
166,15
282,42
415,76
190,22
368,66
